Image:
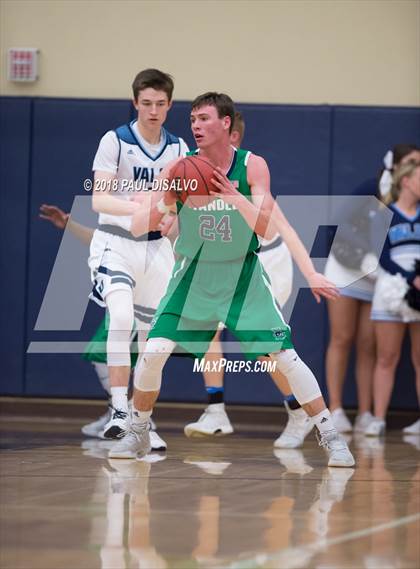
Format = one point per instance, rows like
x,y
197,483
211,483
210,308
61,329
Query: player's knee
x,y
148,373
287,360
301,379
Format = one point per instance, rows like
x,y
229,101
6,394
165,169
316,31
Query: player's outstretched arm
x,y
102,199
62,220
259,179
54,215
319,285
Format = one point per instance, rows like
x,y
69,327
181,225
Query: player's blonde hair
x,y
405,170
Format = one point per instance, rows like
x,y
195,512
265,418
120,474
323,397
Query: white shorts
x,y
388,304
277,262
143,267
351,282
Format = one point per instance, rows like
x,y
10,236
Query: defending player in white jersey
x,y
130,274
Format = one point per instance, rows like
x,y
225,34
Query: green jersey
x,y
217,231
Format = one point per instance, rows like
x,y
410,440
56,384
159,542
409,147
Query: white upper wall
x,y
363,52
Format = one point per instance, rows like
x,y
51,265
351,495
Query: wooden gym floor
x,y
233,502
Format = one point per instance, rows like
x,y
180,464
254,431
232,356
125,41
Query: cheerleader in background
x,y
349,315
391,313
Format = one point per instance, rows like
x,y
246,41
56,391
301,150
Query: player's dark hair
x,y
401,150
223,103
155,79
239,125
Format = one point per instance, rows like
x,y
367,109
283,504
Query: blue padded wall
x,y
311,150
295,141
66,134
15,164
360,139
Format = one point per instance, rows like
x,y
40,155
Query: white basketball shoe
x,y
135,444
341,421
362,422
376,427
337,449
118,424
213,422
413,429
299,425
95,428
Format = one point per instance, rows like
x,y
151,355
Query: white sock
x,y
119,398
323,421
140,418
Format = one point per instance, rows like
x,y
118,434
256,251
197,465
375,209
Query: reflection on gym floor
x,y
234,502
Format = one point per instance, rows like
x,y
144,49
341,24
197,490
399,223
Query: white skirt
x,y
351,282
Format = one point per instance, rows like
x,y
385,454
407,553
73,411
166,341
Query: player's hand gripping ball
x,y
191,180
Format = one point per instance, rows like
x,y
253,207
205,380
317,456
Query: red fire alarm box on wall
x,y
23,64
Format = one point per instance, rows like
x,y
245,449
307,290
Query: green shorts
x,y
95,351
201,294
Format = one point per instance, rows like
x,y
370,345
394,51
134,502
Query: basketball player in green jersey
x,y
218,278
277,263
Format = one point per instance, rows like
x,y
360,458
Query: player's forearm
x,y
169,226
104,203
257,219
83,233
297,249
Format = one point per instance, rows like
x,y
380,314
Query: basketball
x,y
191,179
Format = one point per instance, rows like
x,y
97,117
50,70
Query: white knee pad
x,y
148,373
301,379
121,320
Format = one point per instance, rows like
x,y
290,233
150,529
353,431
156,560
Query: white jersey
x,y
122,153
276,259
